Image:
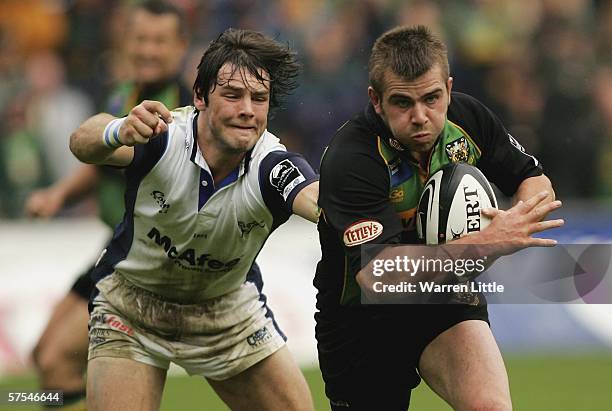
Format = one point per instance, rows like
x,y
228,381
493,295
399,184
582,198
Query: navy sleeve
x,y
504,161
282,175
146,156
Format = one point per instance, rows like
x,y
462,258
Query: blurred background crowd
x,y
544,66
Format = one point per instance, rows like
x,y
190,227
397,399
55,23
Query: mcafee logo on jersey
x,y
189,258
362,232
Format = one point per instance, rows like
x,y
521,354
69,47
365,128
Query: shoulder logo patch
x,y
520,148
285,176
362,232
515,143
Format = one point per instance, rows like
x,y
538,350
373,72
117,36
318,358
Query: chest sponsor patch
x,y
458,150
285,176
362,232
397,195
396,144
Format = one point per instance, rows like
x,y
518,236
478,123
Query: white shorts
x,y
217,338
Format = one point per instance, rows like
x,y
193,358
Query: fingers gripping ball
x,y
451,203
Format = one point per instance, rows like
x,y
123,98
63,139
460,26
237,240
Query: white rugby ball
x,y
451,203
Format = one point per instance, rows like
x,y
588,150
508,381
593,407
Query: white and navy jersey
x,y
185,239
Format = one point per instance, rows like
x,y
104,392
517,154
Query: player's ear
x,y
376,99
199,102
449,87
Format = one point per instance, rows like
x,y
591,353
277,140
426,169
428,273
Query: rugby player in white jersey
x,y
205,188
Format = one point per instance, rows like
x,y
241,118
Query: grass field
x,y
538,383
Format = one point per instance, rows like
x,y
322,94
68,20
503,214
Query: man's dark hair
x,y
252,52
161,7
408,52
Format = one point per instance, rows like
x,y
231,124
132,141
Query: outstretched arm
x,y
305,203
93,142
509,231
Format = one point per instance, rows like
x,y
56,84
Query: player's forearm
x,y
305,203
532,186
87,143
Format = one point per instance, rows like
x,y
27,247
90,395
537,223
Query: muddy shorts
x,y
217,338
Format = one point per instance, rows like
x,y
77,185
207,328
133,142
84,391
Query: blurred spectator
x,y
516,95
22,165
54,111
40,119
566,52
89,51
11,76
334,58
483,36
603,29
602,95
424,12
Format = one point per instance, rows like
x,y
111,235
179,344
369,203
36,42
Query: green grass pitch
x,y
542,383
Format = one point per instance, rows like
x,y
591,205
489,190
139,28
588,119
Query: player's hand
x,y
145,121
513,229
44,203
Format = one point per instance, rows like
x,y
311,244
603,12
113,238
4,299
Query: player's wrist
x,y
110,136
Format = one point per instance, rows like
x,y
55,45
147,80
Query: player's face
x,y
155,47
414,111
237,111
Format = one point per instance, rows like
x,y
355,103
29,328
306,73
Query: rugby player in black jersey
x,y
373,171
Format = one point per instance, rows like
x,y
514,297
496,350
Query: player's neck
x,y
422,158
220,160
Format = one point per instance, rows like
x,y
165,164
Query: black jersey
x,y
368,176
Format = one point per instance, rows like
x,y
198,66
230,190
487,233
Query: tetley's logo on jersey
x,y
188,258
362,232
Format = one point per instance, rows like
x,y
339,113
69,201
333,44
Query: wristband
x,y
110,137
